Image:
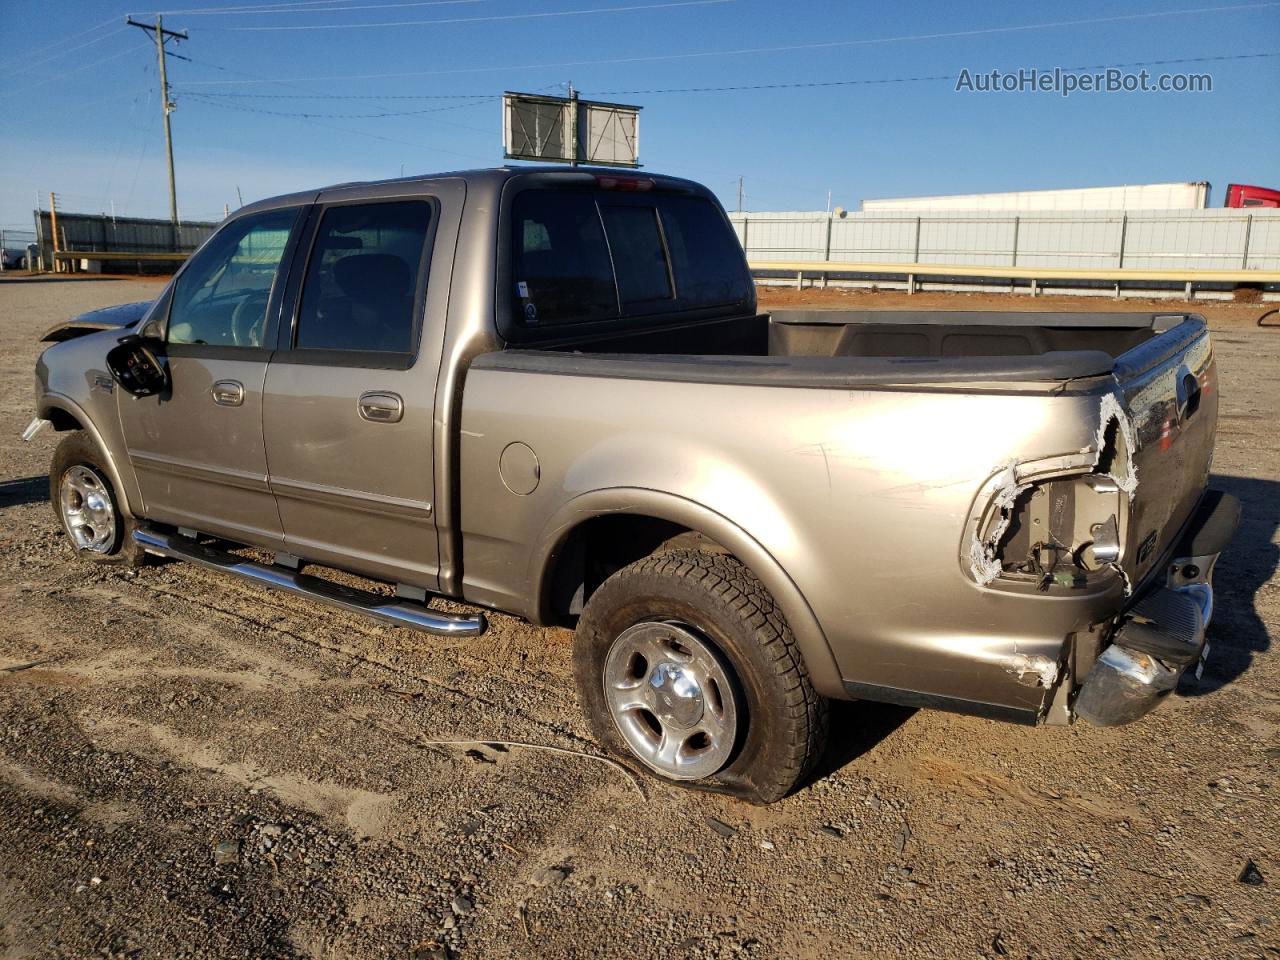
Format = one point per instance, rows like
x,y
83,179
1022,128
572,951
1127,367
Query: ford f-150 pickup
x,y
550,393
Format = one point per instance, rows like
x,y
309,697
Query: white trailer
x,y
1142,196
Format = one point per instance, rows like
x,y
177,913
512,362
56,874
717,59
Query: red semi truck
x,y
1243,195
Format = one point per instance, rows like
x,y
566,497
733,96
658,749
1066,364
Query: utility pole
x,y
573,126
739,194
165,104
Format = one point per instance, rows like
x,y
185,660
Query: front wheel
x,y
685,664
88,506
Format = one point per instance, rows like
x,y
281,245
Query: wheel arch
x,y
66,415
558,562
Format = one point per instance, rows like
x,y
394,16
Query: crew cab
x,y
549,392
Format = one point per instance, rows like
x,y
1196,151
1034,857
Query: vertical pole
x,y
38,266
573,125
53,228
4,255
1013,282
826,255
739,194
915,257
1248,229
1124,229
167,106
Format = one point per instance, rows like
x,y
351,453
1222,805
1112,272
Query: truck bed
x,y
873,455
847,348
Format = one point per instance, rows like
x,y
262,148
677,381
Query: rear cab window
x,y
583,256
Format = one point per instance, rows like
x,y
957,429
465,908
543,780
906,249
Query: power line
x,y
489,19
63,74
949,76
56,43
214,98
299,8
474,102
701,54
342,96
284,6
62,53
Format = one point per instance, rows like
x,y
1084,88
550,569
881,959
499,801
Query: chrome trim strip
x,y
389,609
227,477
376,503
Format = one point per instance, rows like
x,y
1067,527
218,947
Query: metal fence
x,y
1190,240
102,233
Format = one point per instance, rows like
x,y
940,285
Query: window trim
x,y
504,301
285,349
275,296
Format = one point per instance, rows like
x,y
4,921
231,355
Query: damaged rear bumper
x,y
1162,632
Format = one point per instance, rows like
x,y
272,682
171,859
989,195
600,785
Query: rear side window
x,y
361,279
580,256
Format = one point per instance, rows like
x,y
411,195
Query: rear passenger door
x,y
349,400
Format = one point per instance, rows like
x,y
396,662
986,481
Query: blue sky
x,y
82,117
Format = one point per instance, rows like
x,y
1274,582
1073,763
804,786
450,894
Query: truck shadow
x,y
15,493
857,727
1239,631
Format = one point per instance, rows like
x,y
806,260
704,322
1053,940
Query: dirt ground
x,y
193,767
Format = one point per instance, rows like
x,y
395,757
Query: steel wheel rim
x,y
670,693
87,509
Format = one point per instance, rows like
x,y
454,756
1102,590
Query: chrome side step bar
x,y
390,609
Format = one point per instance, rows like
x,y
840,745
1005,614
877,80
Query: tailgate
x,y
1169,393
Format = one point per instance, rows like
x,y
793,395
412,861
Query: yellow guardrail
x,y
115,255
800,267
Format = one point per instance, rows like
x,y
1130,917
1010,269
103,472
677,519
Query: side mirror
x,y
135,364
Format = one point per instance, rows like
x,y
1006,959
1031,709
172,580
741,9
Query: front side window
x,y
361,280
220,299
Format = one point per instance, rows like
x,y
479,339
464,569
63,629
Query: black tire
x,y
785,725
78,450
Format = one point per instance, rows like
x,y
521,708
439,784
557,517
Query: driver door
x,y
197,448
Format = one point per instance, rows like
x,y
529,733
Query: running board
x,y
389,609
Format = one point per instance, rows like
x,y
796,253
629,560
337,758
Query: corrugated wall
x,y
1157,239
100,233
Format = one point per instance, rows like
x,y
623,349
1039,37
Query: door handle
x,y
377,406
228,393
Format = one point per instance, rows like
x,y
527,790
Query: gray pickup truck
x,y
549,392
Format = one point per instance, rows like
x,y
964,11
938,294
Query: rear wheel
x,y
685,664
88,506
